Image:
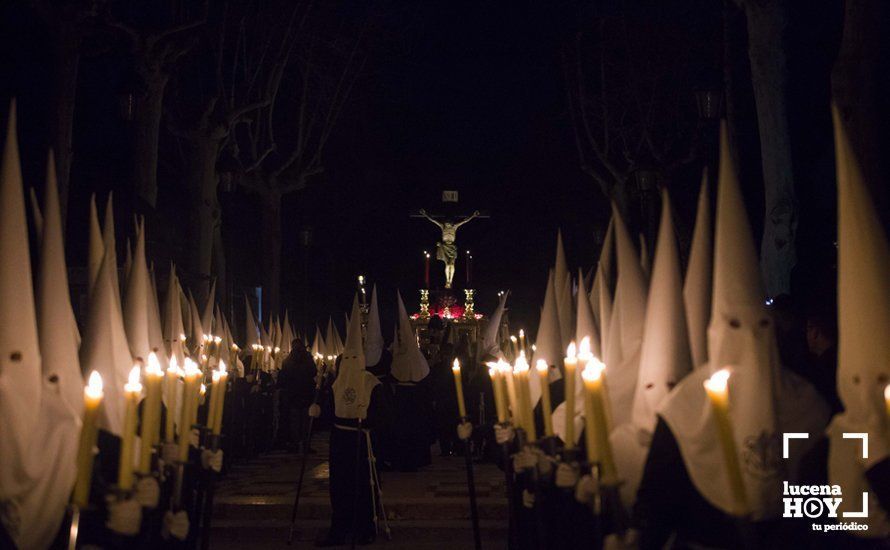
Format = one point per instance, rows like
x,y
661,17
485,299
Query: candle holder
x,y
469,313
424,304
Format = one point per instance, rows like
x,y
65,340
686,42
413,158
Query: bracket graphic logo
x,y
816,501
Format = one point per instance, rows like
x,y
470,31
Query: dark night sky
x,y
471,100
455,95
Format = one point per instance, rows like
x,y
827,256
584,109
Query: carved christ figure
x,y
446,250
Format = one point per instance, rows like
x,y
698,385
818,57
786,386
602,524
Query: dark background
x,y
466,96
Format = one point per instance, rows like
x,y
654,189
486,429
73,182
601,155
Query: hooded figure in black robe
x,y
411,399
359,407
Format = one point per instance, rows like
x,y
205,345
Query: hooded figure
x,y
357,409
697,286
864,350
491,344
664,358
412,434
686,488
379,359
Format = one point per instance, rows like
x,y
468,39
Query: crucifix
x,y
446,249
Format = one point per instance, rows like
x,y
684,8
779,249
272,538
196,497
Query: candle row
x,y
156,384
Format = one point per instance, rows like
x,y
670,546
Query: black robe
x,y
412,430
350,488
668,504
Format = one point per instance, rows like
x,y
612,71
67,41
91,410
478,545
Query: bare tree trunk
x,y
854,86
271,234
67,63
147,111
205,205
767,22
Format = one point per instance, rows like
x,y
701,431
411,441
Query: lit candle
x,y
458,385
524,395
717,388
521,340
132,393
221,399
190,390
596,430
151,413
571,363
543,372
92,399
514,343
171,380
214,391
507,374
499,406
426,269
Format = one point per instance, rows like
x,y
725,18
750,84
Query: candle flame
x,y
191,368
513,338
154,366
174,365
521,333
182,337
133,384
542,366
217,340
594,370
222,367
584,348
94,385
718,381
534,347
455,366
571,351
492,371
521,364
204,389
887,392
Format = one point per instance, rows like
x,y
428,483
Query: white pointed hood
x,y
318,345
57,327
353,386
665,357
251,333
374,332
408,362
697,286
136,302
645,264
155,327
563,285
863,322
740,337
20,376
626,326
585,323
110,243
335,344
207,314
36,214
197,328
601,293
490,342
548,342
54,445
96,247
105,348
287,334
173,325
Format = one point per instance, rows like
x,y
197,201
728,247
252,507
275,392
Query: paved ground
x,y
427,509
